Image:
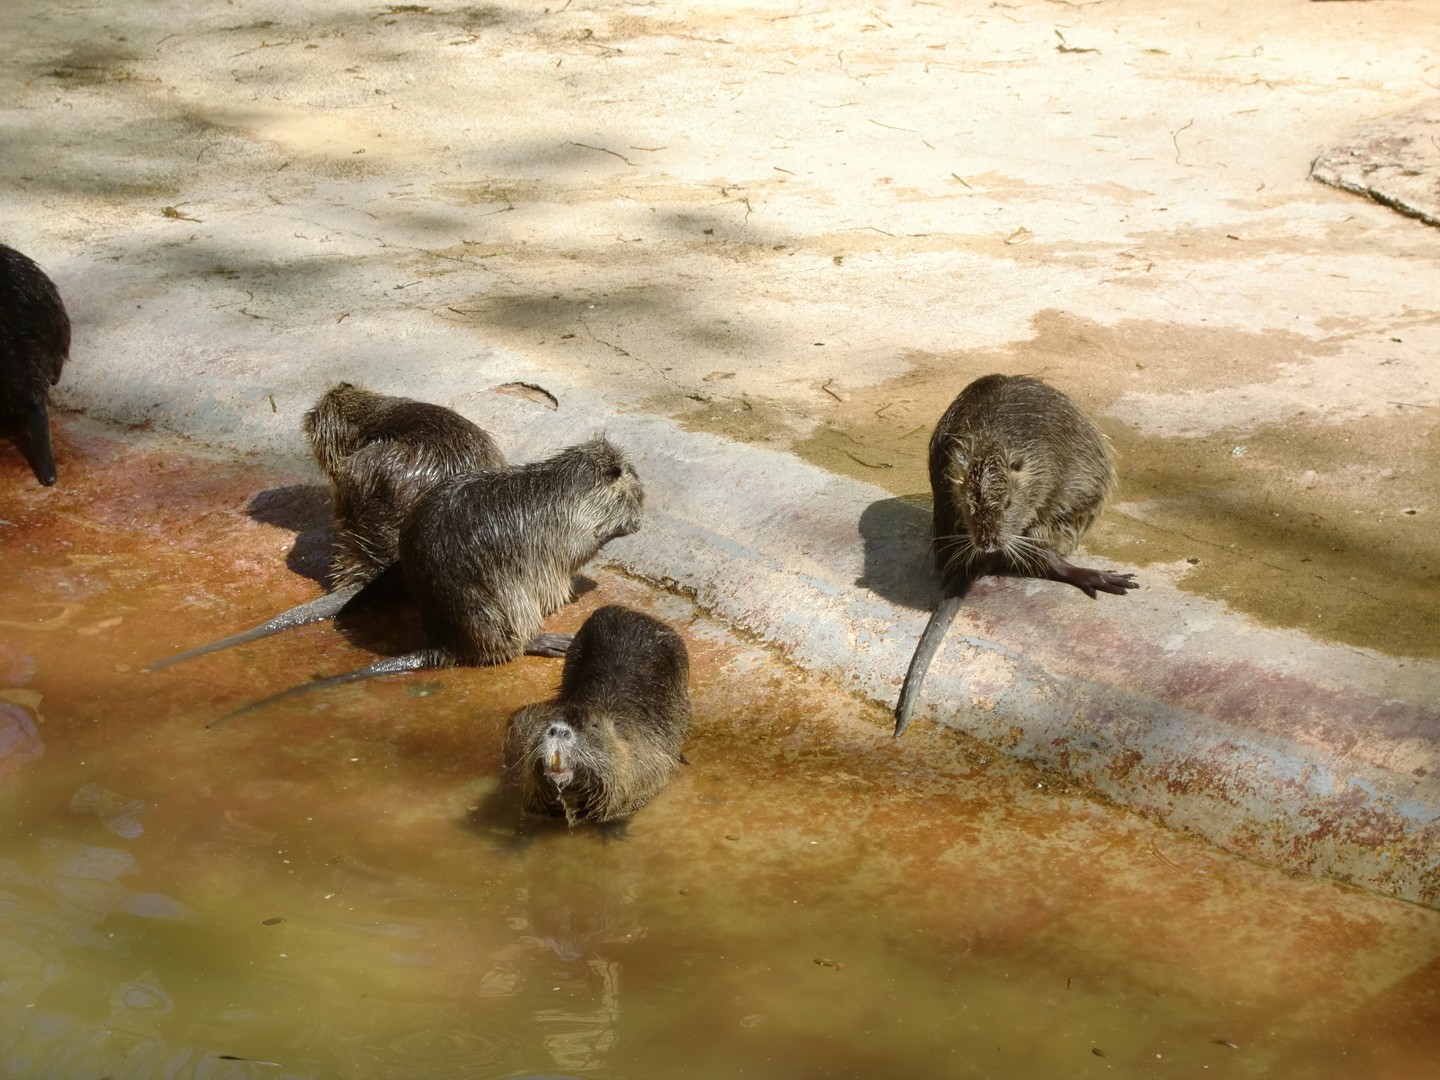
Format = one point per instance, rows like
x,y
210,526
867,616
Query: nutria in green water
x,y
1019,475
611,739
34,345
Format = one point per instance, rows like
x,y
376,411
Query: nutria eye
x,y
613,473
1017,465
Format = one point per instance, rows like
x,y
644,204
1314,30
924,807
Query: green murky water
x,y
339,887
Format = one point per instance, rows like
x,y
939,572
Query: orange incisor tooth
x,y
555,760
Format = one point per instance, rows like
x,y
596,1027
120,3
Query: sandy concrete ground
x,y
765,246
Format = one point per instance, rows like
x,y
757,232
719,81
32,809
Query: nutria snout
x,y
612,738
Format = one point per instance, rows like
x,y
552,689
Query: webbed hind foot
x,y
552,645
1089,581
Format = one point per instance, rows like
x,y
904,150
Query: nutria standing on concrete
x,y
487,556
612,737
381,453
1019,474
34,345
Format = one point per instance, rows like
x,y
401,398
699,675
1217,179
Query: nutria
x,y
34,345
487,556
1019,474
380,454
612,737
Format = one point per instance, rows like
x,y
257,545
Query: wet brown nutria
x,y
1019,474
611,739
34,345
486,557
381,453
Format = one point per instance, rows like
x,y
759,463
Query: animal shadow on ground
x,y
898,564
391,625
304,509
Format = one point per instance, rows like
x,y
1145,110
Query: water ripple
x,y
116,812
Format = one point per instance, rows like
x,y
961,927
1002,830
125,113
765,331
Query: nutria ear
x,y
683,759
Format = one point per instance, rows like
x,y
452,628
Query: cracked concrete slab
x,y
1395,161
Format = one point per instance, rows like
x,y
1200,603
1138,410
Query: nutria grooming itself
x,y
381,453
1019,475
34,345
487,556
612,737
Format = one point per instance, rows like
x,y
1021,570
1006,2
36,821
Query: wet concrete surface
x,y
339,886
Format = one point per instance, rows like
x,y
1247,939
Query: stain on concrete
x,y
744,419
1329,529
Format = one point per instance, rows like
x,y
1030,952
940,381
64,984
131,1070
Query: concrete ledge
x,y
796,210
1316,757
